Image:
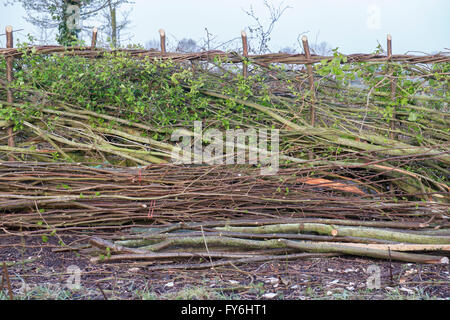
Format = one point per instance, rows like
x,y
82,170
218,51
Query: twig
x,y
8,283
101,290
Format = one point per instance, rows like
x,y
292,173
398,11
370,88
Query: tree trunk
x,y
112,13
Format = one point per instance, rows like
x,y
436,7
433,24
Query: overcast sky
x,y
353,26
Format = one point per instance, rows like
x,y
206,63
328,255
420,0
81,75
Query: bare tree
x,y
289,50
63,15
187,45
259,31
208,41
322,49
112,26
153,44
52,14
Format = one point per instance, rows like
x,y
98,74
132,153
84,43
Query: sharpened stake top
x,y
389,45
9,36
162,35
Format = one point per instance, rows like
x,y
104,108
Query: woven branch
x,y
231,57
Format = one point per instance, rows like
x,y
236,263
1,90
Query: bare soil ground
x,y
36,271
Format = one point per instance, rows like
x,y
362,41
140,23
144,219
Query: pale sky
x,y
353,26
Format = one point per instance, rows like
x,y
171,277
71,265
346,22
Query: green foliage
x,y
165,95
391,87
146,91
336,67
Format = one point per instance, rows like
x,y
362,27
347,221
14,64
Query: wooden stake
x,y
245,53
392,135
312,110
94,38
162,35
311,79
9,79
389,46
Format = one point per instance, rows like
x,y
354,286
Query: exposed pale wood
x,y
94,38
245,53
162,36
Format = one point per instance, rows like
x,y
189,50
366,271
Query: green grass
x,y
419,294
44,292
202,292
196,293
365,294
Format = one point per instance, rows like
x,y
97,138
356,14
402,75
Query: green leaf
x,y
412,116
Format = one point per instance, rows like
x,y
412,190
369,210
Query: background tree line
x,y
61,16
